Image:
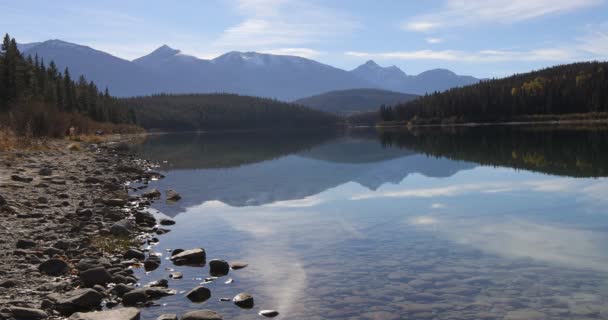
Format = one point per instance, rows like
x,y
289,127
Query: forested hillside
x,y
40,100
223,112
351,101
562,90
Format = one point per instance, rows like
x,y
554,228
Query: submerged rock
x,y
238,265
167,316
152,194
202,315
167,222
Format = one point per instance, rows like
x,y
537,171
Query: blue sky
x,y
484,38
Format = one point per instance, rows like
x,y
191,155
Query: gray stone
x,y
167,222
45,172
243,300
134,297
152,194
54,267
218,267
172,195
176,275
115,314
25,244
19,178
122,228
167,316
76,300
134,254
192,256
115,202
98,275
2,200
269,313
238,265
120,289
202,315
199,294
28,313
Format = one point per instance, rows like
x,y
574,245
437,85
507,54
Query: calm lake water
x,y
470,223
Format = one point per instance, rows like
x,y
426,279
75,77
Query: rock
x,y
54,267
45,172
269,313
152,194
99,288
8,283
163,283
172,195
21,178
122,228
43,200
51,252
176,275
199,294
2,200
167,316
243,300
98,275
176,251
115,202
152,263
145,218
192,256
25,244
87,263
61,244
92,180
167,222
202,315
76,300
115,314
218,268
238,265
134,297
120,289
28,313
134,254
129,169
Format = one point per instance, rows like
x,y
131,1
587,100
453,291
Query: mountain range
x,y
167,70
347,102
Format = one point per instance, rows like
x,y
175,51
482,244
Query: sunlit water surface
x,y
494,223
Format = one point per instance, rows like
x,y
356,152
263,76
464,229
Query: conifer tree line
x,y
561,90
28,83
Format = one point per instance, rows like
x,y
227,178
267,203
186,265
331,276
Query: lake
x,y
462,223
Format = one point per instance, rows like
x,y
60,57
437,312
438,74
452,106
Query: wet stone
x,y
243,300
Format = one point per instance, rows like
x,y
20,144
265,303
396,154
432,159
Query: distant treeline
x,y
39,100
568,151
202,112
561,90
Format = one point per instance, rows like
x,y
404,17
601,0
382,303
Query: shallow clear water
x,y
478,223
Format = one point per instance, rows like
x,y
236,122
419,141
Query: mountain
x,y
393,78
121,76
354,100
281,77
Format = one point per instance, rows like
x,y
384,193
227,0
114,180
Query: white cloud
x,y
433,40
472,12
544,54
300,52
278,23
595,41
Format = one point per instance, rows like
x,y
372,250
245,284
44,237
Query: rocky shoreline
x,y
71,233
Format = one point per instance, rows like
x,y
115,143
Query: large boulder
x,y
192,256
202,315
98,275
116,314
76,300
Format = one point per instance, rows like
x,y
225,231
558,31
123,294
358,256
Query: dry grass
x,y
113,245
11,141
